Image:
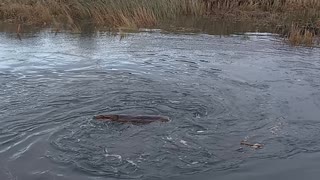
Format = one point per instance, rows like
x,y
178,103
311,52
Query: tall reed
x,y
151,13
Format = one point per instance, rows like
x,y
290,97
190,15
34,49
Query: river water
x,y
216,90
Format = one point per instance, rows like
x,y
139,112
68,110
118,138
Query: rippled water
x,y
216,90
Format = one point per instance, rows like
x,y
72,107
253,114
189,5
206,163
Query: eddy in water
x,y
135,119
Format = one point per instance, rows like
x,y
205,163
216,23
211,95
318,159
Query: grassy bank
x,y
297,20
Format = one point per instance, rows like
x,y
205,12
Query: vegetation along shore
x,y
297,20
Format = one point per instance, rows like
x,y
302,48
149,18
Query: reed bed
x,y
298,36
115,13
134,14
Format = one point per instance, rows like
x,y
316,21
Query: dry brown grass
x,y
133,14
301,36
115,13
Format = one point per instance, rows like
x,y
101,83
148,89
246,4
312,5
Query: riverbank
x,y
297,20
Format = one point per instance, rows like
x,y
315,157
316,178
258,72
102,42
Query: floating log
x,y
135,119
255,146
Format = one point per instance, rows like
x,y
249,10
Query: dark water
x,y
216,90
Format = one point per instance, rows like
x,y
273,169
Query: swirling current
x,y
216,90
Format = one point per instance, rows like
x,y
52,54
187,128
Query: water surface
x,y
216,90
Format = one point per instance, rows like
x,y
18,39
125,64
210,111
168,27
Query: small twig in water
x,y
10,175
18,31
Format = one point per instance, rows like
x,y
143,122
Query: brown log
x,y
135,119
